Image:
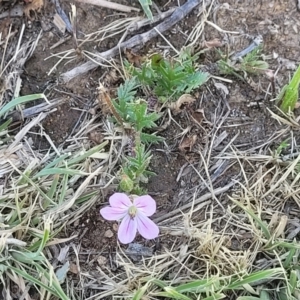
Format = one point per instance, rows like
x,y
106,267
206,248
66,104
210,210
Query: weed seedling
x,y
132,114
169,79
289,94
250,64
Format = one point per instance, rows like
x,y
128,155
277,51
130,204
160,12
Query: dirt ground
x,y
240,109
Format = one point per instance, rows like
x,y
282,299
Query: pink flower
x,y
134,216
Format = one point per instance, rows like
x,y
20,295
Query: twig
x,y
205,197
140,39
111,5
255,43
30,112
146,22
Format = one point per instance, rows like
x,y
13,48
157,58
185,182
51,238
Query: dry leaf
x,y
213,43
104,100
101,260
133,58
221,86
183,100
279,231
96,136
198,117
73,268
35,6
188,143
297,105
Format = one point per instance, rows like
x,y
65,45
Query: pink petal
x,y
127,230
113,213
147,228
145,204
120,200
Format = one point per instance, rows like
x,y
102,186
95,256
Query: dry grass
x,y
218,246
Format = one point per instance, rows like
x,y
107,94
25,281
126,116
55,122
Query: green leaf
x,y
293,281
140,292
291,94
264,295
193,81
5,125
150,138
255,277
174,294
198,286
87,154
146,7
18,101
55,171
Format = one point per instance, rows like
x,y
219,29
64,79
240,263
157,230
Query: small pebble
x,y
108,233
115,227
101,260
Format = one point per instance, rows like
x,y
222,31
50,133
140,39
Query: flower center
x,y
132,211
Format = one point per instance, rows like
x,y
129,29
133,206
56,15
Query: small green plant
x,y
289,94
283,145
169,79
134,171
133,112
250,64
211,288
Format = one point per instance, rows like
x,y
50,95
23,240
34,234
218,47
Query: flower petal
x,y
145,204
113,213
120,200
146,227
127,230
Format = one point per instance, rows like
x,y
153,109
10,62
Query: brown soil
x,y
245,105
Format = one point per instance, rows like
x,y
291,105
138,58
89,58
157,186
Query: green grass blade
x,y
197,286
140,292
293,281
87,154
20,100
55,171
146,8
85,197
36,281
56,161
54,282
288,261
5,125
63,189
264,295
255,277
173,294
291,93
291,245
53,187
